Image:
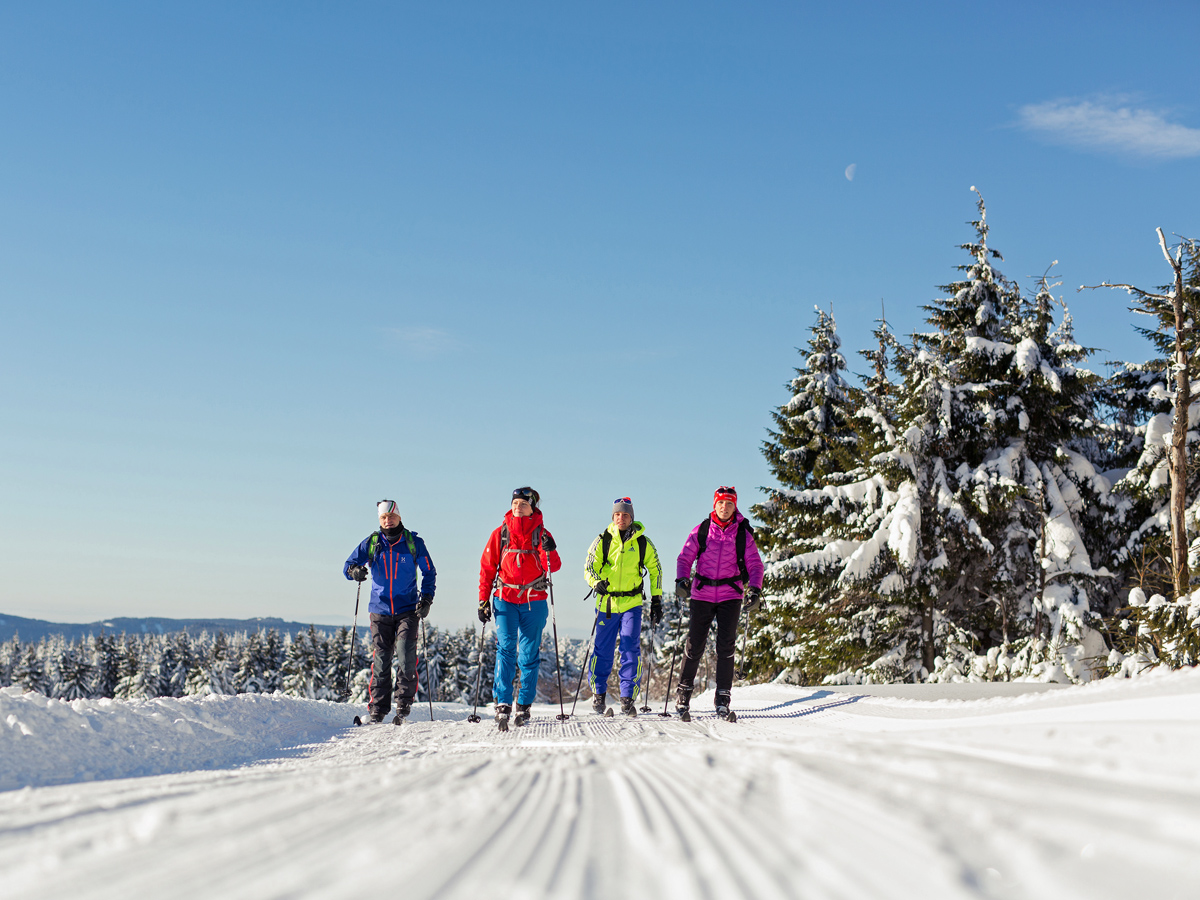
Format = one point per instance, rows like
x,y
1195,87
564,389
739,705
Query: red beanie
x,y
724,493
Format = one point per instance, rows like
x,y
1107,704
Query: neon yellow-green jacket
x,y
622,568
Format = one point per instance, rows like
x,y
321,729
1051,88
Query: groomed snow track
x,y
1086,792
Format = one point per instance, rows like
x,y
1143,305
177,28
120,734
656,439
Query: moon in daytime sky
x,y
850,169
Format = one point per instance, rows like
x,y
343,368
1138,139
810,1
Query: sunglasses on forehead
x,y
622,500
727,490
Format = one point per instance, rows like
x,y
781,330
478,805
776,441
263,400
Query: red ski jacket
x,y
520,561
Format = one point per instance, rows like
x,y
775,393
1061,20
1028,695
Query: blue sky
x,y
264,264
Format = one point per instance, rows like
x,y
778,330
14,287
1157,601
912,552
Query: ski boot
x,y
600,706
522,715
503,711
723,710
683,700
403,708
627,707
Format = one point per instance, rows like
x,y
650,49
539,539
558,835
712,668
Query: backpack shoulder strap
x,y
641,553
503,537
373,547
702,536
744,529
605,543
412,545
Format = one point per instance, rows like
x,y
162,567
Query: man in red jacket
x,y
515,562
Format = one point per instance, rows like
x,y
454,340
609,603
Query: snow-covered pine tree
x,y
251,676
928,545
74,674
30,670
10,653
816,443
105,662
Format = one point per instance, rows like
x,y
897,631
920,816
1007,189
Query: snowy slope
x,y
1088,791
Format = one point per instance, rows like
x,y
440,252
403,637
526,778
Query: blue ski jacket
x,y
394,573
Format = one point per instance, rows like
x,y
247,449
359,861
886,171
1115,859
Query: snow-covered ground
x,y
929,792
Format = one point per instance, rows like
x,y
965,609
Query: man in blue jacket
x,y
394,555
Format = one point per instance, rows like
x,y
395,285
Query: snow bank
x,y
45,741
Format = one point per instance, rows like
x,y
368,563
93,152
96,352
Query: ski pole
x,y
741,672
674,651
474,717
586,657
645,708
350,662
562,713
428,677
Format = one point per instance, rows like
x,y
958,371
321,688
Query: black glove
x,y
423,606
655,610
683,588
358,573
548,542
751,598
601,587
485,610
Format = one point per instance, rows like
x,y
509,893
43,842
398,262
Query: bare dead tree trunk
x,y
1041,562
927,653
1177,455
1178,460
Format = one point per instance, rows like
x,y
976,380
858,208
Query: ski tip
x,y
358,720
608,714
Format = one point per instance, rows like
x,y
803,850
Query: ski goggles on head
x,y
622,500
387,507
528,494
725,493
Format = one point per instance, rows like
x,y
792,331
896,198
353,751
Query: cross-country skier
x,y
617,562
728,569
394,555
514,563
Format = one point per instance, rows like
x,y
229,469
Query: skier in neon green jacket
x,y
617,563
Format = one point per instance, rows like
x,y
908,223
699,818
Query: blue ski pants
x,y
518,644
624,630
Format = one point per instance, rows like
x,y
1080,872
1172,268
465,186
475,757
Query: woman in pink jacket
x,y
728,571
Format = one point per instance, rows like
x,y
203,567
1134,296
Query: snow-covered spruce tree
x,y
251,676
105,663
74,674
10,653
30,670
815,443
936,545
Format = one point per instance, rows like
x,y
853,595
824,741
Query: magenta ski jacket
x,y
719,561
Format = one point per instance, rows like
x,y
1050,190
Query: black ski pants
x,y
390,634
727,613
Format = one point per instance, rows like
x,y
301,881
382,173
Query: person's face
x,y
725,509
623,520
521,508
389,520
